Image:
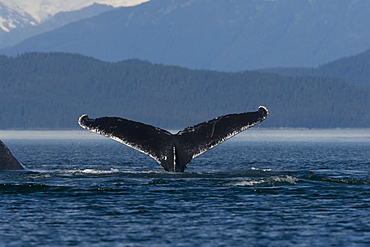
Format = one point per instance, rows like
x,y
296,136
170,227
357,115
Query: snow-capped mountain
x,y
226,35
11,18
21,13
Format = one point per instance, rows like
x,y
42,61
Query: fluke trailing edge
x,y
173,151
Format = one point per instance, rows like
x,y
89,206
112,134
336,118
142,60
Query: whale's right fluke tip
x,y
263,110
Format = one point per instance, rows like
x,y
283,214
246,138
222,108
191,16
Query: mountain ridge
x,y
20,20
353,69
217,35
58,20
41,10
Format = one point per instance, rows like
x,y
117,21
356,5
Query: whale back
x,y
7,160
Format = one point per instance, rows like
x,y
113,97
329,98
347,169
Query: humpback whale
x,y
7,160
173,151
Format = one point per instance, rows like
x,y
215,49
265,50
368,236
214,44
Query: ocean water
x,y
265,187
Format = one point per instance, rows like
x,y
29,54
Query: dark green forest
x,y
354,69
51,90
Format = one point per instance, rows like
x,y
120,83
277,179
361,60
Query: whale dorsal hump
x,y
7,160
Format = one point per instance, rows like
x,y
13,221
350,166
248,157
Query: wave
x,y
26,180
270,181
337,180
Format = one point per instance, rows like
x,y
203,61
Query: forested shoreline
x,y
51,90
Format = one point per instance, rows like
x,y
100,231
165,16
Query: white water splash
x,y
93,171
259,169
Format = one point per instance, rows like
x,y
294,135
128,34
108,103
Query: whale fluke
x,y
7,160
173,151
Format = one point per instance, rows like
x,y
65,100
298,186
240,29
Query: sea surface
x,y
264,187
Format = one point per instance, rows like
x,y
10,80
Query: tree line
x,y
51,90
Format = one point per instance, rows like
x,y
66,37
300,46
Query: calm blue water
x,y
264,188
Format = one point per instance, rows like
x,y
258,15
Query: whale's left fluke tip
x,y
81,119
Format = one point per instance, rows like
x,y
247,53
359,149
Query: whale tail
x,y
7,160
173,151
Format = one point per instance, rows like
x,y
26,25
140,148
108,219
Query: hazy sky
x,y
41,9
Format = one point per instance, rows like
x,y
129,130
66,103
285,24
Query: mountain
x,y
353,69
51,90
27,30
12,18
41,10
224,35
21,19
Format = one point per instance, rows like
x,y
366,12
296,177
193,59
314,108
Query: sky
x,y
42,9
